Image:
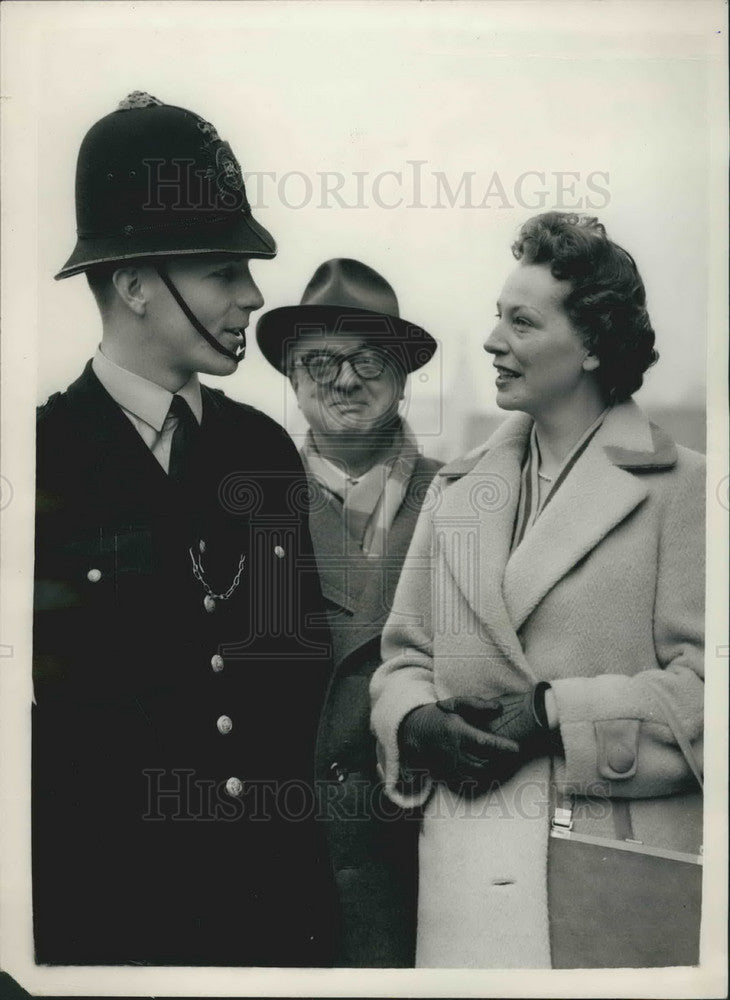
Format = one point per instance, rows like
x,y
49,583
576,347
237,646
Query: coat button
x,y
620,759
338,772
278,551
94,575
234,787
224,724
201,546
216,663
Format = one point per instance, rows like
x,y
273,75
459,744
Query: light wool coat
x,y
604,599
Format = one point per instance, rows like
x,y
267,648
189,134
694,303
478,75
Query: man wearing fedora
x,y
348,355
178,676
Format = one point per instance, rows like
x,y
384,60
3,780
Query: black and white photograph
x,y
364,498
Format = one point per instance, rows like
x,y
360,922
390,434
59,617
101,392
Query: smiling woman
x,y
564,680
573,334
540,357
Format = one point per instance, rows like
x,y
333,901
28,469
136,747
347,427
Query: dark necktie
x,y
183,437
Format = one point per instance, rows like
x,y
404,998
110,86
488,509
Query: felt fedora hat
x,y
345,296
154,180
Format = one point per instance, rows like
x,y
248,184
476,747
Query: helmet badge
x,y
228,170
208,131
138,99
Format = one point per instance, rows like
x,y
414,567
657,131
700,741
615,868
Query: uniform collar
x,y
145,399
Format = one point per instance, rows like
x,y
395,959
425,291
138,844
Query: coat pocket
x,y
89,585
104,564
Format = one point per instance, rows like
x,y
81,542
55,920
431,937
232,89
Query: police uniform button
x,y
279,552
234,787
128,230
94,575
338,772
224,724
217,663
201,546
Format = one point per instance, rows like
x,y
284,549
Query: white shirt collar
x,y
145,399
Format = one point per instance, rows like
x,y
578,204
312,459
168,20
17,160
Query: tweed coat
x,y
604,598
143,851
372,844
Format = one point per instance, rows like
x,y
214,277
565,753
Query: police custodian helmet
x,y
156,181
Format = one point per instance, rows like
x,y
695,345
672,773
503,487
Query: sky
x,y
414,137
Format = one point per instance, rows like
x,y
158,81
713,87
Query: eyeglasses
x,y
324,367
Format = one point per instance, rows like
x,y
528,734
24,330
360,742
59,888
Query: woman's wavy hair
x,y
607,303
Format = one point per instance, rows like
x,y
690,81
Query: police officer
x,y
348,354
178,666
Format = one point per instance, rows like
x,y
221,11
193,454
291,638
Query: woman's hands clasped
x,y
473,741
450,740
524,717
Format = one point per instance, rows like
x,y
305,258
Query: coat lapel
x,y
376,581
362,587
476,522
329,538
477,517
601,491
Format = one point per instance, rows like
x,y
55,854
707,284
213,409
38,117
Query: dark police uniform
x,y
173,815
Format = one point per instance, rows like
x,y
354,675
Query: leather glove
x,y
450,740
524,720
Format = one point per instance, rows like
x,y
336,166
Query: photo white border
x,y
21,175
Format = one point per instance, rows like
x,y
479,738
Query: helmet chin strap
x,y
190,315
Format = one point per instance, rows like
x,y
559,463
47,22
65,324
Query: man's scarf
x,y
371,502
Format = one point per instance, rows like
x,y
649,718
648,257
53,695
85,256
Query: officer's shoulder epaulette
x,y
464,464
46,409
